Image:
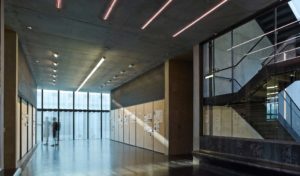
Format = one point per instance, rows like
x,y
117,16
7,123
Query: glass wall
x,y
81,115
246,71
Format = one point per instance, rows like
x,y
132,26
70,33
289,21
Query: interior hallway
x,y
106,158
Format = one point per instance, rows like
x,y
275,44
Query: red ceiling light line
x,y
156,14
58,4
200,18
109,10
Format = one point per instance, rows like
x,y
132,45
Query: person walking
x,y
55,130
46,126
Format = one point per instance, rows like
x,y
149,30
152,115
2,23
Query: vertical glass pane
x,y
66,100
50,99
95,101
105,101
66,126
47,125
24,124
29,123
39,127
80,125
106,125
80,100
39,98
94,125
34,125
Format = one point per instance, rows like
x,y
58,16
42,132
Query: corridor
x,y
108,158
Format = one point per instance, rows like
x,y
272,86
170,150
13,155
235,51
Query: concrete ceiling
x,y
81,37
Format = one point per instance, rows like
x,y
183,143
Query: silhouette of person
x,y
55,130
46,129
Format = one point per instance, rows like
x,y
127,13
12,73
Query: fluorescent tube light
x,y
200,18
156,14
272,93
109,10
58,4
92,72
272,87
209,76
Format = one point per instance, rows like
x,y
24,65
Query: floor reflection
x,y
108,158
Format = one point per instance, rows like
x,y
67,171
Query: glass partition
x,y
66,100
246,74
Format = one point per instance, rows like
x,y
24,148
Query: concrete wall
x,y
225,121
27,85
145,88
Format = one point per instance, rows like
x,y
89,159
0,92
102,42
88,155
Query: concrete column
x,y
10,99
197,96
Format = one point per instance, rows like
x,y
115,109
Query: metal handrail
x,y
290,103
230,79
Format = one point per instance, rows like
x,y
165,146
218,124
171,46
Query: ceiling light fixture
x,y
258,37
54,76
272,93
91,73
156,14
272,87
200,18
54,80
29,27
108,12
55,55
58,4
130,65
55,63
54,70
122,72
209,76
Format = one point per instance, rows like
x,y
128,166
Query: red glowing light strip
x,y
200,18
157,13
58,4
112,5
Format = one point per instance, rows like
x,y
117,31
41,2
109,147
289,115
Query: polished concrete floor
x,y
108,158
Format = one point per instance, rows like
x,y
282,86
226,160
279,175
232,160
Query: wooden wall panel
x,y
112,124
126,125
121,125
116,125
29,127
148,126
140,125
24,128
160,141
132,121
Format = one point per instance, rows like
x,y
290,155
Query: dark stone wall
x,y
27,84
273,151
145,88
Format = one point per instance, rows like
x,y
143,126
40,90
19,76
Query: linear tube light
x,y
58,4
272,93
109,10
156,14
272,87
209,76
200,18
91,73
275,30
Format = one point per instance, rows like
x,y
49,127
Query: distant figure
x,y
55,130
46,129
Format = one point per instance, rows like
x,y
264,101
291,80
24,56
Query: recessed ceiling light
x,y
58,4
122,72
54,80
29,27
200,18
108,12
54,71
130,65
55,55
109,81
115,77
54,76
156,14
55,63
37,61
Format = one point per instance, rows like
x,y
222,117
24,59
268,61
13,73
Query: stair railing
x,y
294,111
